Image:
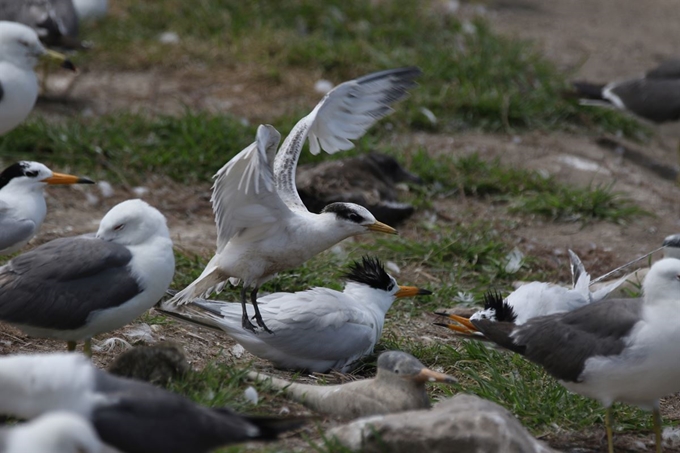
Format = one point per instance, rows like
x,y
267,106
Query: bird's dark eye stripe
x,y
31,174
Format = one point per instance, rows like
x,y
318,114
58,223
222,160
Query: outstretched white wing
x,y
244,194
344,114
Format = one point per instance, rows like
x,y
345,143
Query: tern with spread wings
x,y
262,225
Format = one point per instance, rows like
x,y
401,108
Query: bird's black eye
x,y
23,42
32,173
396,371
355,218
119,227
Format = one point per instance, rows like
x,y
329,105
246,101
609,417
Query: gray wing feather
x,y
669,69
344,114
59,284
562,343
655,99
141,418
13,231
244,194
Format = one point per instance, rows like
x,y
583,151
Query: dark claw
x,y
247,325
260,322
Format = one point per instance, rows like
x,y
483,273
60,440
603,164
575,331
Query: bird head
x,y
352,219
132,222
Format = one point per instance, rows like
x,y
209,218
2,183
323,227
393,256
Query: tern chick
x,y
399,385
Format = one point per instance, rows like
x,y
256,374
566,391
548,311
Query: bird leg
x,y
245,322
87,347
656,416
70,346
608,426
258,316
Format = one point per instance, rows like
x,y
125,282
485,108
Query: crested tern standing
x,y
262,225
22,201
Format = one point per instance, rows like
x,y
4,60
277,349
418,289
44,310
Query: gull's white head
x,y
132,222
54,432
19,45
31,176
351,219
662,283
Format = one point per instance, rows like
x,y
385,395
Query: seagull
x,y
654,97
20,50
77,287
54,432
613,350
90,9
309,324
54,21
262,225
129,415
632,281
399,385
535,299
22,201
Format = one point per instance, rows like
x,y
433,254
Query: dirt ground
x,y
599,40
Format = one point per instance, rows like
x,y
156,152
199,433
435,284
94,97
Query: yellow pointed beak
x,y
51,55
408,291
381,228
427,375
61,178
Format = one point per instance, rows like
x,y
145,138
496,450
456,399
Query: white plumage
x,y
22,201
318,329
262,225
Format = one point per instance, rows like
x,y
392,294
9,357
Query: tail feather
x,y
187,315
203,286
588,90
271,427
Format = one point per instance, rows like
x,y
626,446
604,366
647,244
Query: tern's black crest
x,y
672,241
13,171
504,312
370,272
345,211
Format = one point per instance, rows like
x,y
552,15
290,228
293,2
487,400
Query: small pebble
x,y
323,86
251,394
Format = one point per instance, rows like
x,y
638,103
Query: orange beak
x,y
456,328
427,375
408,291
61,178
463,321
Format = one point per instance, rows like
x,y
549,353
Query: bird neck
x,y
376,300
27,200
406,388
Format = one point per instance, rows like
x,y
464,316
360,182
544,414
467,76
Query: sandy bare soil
x,y
595,39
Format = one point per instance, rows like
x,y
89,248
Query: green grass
x,y
473,78
192,147
524,191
